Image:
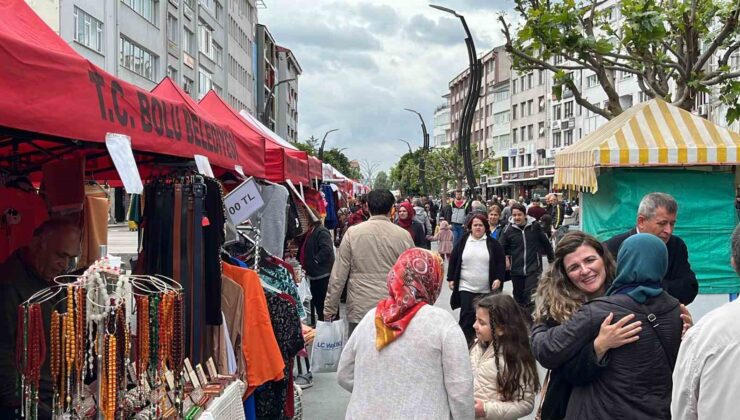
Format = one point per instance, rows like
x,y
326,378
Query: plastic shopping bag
x,y
328,345
304,290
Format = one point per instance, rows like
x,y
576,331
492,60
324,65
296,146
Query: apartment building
x,y
200,44
267,76
496,70
530,94
286,105
441,129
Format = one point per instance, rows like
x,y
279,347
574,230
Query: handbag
x,y
543,392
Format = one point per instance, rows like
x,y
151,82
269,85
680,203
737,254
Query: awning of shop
x,y
653,133
50,91
315,169
252,164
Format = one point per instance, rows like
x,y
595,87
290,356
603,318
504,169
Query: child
x,y
504,370
444,237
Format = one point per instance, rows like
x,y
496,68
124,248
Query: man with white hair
x,y
657,215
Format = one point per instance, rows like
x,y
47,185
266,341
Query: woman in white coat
x,y
407,359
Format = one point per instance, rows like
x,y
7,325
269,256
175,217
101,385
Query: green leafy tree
x,y
336,158
666,44
405,174
382,182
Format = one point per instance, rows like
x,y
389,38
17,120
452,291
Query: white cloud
x,y
365,61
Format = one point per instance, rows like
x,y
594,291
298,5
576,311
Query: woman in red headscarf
x,y
406,220
406,358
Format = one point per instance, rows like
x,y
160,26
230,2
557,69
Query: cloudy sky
x,y
365,61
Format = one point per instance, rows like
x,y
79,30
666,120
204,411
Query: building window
x,y
205,82
556,115
541,129
187,85
529,159
568,109
513,87
219,11
522,83
513,112
146,8
530,80
556,139
592,81
218,53
523,108
501,96
208,4
501,117
625,75
172,29
513,135
172,73
138,59
188,41
557,59
205,39
530,132
541,104
568,138
541,77
88,30
522,133
530,105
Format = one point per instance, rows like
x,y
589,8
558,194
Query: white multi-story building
x,y
441,129
200,44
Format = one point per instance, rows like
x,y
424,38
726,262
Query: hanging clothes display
x,y
260,349
271,218
95,224
331,220
183,225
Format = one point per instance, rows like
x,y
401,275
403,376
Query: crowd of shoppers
x,y
607,320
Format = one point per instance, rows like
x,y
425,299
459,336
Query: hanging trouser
x,y
176,231
198,315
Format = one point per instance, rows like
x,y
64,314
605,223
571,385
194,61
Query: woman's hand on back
x,y
612,336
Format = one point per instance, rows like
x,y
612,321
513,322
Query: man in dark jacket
x,y
657,215
523,242
556,210
317,258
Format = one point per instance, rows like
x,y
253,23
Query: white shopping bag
x,y
304,290
328,345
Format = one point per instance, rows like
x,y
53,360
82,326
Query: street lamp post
x,y
323,142
265,117
476,72
407,144
422,159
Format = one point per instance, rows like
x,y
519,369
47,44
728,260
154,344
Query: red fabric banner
x,y
315,168
47,88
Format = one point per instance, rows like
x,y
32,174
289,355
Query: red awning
x,y
47,89
315,168
252,163
280,163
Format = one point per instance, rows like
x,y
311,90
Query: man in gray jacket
x,y
367,254
424,219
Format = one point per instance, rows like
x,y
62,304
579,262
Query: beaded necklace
x,y
30,353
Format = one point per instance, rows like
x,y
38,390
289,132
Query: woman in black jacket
x,y
628,366
317,259
406,220
476,268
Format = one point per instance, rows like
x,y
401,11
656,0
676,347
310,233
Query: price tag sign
x,y
119,148
243,201
204,165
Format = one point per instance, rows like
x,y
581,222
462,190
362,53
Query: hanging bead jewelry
x,y
112,376
31,354
153,334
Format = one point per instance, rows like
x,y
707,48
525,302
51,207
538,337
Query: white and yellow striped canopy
x,y
652,133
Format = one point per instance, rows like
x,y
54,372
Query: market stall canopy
x,y
253,163
53,102
652,133
277,161
315,169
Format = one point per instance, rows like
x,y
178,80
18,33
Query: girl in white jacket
x,y
504,369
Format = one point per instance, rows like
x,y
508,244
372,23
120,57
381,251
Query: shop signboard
x,y
243,201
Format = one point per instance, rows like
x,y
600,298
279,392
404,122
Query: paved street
x,y
326,399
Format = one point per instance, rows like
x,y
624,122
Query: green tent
x,y
706,215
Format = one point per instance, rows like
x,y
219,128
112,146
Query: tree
x,y
444,166
666,44
405,174
382,182
336,158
